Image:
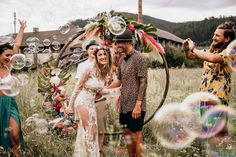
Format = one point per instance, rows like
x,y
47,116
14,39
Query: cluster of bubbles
x,y
231,55
200,115
11,87
35,46
19,61
116,25
46,46
78,55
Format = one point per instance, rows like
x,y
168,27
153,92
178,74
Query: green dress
x,y
8,108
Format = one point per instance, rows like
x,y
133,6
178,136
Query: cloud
x,y
196,4
50,14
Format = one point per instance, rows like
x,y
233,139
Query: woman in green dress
x,y
10,127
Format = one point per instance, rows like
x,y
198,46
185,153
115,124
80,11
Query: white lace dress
x,y
86,144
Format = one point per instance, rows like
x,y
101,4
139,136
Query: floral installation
x,y
52,79
145,35
51,84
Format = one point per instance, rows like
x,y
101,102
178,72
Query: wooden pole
x,y
140,12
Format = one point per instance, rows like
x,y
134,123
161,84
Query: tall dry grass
x,y
183,82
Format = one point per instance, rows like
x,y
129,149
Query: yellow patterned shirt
x,y
216,79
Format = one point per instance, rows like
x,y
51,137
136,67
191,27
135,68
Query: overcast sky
x,y
50,14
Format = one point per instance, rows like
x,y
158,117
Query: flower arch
x,y
145,39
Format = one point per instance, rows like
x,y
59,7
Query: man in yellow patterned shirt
x,y
216,78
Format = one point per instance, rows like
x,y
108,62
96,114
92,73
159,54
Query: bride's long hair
x,y
103,70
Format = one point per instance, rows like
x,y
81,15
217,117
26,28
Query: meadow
x,y
183,82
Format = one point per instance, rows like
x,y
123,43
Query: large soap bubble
x,y
11,87
18,61
231,55
116,25
198,104
170,123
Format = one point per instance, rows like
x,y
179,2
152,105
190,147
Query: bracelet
x,y
187,49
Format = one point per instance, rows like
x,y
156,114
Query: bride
x,y
83,103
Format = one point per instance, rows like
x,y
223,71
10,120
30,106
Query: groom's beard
x,y
215,46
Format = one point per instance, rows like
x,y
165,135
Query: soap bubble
x,y
64,29
116,25
18,61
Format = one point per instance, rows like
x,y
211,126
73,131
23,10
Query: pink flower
x,y
131,27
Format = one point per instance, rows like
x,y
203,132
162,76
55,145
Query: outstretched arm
x,y
77,89
115,84
207,56
111,88
19,37
193,53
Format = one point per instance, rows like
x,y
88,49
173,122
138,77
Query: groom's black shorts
x,y
130,123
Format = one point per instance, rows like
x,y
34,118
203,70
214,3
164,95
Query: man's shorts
x,y
131,123
101,108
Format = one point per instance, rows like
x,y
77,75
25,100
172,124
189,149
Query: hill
x,y
200,31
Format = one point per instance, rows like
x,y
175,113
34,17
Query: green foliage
x,y
175,57
201,31
193,63
145,34
80,22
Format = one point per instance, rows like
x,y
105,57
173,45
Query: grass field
x,y
183,82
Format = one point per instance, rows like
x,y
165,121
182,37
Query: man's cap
x,y
126,36
90,43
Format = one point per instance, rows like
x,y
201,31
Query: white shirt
x,y
82,67
5,83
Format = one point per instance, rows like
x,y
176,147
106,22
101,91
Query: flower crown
x,y
101,48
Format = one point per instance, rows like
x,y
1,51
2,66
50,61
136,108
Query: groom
x,y
132,75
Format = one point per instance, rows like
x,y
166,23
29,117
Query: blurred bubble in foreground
x,y
231,55
11,87
197,104
169,127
